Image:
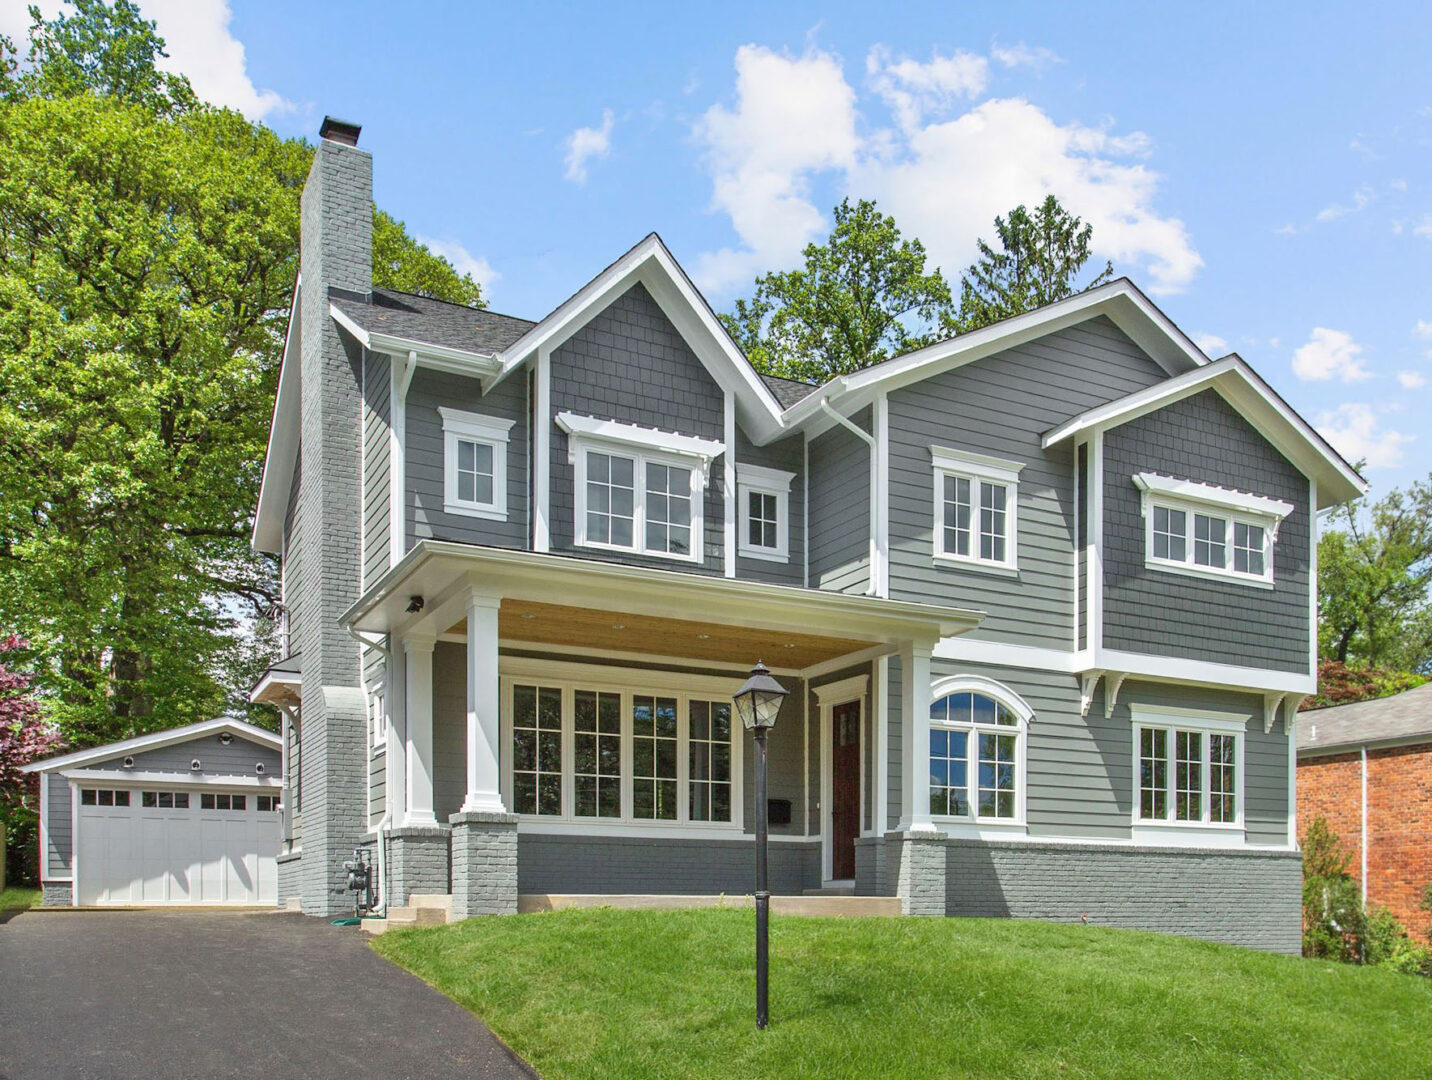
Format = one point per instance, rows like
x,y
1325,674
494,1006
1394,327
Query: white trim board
x,y
156,740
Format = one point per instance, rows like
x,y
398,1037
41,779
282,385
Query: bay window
x,y
976,509
1189,769
1204,530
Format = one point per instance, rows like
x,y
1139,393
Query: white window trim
x,y
1190,497
977,467
759,479
628,684
1205,723
491,431
643,446
979,684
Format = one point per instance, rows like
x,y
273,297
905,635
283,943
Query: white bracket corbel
x,y
1112,682
1291,704
1087,682
1271,704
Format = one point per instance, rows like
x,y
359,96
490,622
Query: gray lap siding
x,y
839,464
1001,406
377,488
1202,438
630,364
787,455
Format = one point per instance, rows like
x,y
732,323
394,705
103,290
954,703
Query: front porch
x,y
546,730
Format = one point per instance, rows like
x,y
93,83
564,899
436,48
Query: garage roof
x,y
155,740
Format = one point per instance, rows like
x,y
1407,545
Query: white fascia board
x,y
1213,495
1120,300
430,355
638,437
155,741
1141,666
654,266
1254,399
173,780
282,453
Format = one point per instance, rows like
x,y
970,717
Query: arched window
x,y
977,736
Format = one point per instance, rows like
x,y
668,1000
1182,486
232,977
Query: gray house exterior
x,y
1043,595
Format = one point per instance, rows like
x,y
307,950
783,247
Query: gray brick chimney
x,y
336,252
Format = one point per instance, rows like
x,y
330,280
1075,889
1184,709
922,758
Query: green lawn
x,y
603,993
15,897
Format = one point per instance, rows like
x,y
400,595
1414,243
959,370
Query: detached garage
x,y
186,816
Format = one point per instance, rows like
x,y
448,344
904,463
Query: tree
x,y
1041,256
25,736
862,296
1374,568
148,250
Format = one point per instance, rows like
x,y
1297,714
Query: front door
x,y
845,788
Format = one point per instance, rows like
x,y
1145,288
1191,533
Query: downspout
x,y
382,827
873,589
1364,825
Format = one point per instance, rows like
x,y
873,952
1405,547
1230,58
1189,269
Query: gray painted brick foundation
x,y
418,862
916,864
1248,898
484,864
601,864
56,894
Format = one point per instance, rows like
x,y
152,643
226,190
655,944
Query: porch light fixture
x,y
758,703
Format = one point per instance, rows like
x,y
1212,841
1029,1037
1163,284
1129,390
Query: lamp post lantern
x,y
758,703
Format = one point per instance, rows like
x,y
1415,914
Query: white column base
x,y
483,802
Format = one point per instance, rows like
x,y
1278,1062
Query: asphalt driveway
x,y
209,994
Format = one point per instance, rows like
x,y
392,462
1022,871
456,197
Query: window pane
x,y
668,509
149,798
709,761
596,753
1188,775
537,750
610,499
654,757
949,789
181,800
1153,774
1210,541
993,521
996,776
762,516
1170,534
1222,797
983,709
1248,549
957,516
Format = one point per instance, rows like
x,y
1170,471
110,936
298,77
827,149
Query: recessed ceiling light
x,y
703,637
528,615
790,645
618,626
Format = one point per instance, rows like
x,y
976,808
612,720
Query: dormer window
x,y
475,464
638,489
1204,530
976,509
764,498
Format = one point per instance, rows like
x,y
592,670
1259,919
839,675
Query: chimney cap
x,y
339,131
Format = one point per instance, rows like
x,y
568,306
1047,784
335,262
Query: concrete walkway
x,y
211,994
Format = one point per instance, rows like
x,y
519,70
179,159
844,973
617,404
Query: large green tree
x,y
1039,260
148,250
1374,570
860,297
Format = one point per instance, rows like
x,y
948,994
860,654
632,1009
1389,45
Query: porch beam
x,y
484,793
418,695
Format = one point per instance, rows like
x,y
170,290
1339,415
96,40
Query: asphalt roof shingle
x,y
787,391
1401,716
435,322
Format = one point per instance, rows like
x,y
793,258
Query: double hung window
x,y
475,464
1189,771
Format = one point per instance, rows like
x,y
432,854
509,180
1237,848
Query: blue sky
x,y
1262,170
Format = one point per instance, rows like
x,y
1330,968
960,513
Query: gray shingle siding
x,y
1001,406
377,488
1203,438
600,864
424,492
788,455
839,464
631,365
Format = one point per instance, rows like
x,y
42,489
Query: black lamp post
x,y
758,703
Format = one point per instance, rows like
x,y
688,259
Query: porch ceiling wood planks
x,y
527,622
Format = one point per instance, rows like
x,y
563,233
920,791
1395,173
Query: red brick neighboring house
x,y
1367,769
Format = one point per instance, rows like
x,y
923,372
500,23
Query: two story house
x,y
1043,596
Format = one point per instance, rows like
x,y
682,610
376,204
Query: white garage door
x,y
156,846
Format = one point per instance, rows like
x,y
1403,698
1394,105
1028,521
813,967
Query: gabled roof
x,y
651,264
1402,717
1255,400
421,320
156,740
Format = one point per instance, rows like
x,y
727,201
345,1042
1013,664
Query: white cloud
x,y
1411,380
586,143
912,89
200,45
1211,344
1423,329
943,178
1353,428
463,261
1361,199
1423,228
1329,354
793,116
1022,55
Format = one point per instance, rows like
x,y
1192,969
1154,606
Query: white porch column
x,y
418,698
915,737
395,766
484,793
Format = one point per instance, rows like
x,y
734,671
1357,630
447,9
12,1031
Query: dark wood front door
x,y
845,788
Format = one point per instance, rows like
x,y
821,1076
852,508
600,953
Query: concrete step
x,y
432,902
403,917
835,888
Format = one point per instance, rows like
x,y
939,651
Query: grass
x,y
604,993
16,897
